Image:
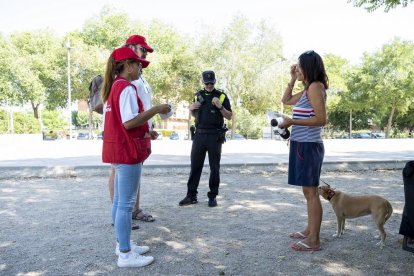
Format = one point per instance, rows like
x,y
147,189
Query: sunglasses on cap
x,y
209,83
309,53
136,47
143,50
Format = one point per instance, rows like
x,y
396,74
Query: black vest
x,y
208,116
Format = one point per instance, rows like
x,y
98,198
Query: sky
x,y
326,26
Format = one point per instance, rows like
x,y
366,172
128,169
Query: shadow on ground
x,y
61,226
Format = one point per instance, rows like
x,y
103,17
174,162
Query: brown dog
x,y
347,206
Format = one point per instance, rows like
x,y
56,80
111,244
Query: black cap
x,y
209,77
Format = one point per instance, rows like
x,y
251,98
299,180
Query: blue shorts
x,y
305,163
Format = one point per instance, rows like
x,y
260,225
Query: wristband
x,y
290,85
221,108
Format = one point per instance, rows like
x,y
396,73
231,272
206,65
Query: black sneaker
x,y
188,200
212,202
133,226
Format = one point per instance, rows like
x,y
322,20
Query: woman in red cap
x,y
126,145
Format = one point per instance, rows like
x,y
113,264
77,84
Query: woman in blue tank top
x,y
306,145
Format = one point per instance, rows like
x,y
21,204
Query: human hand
x,y
164,108
293,71
153,134
195,105
216,102
287,122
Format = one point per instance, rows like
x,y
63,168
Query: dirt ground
x,y
61,226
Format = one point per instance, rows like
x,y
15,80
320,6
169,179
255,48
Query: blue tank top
x,y
303,110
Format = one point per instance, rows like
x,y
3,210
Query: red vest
x,y
122,146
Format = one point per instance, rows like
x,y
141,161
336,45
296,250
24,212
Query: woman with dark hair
x,y
127,144
306,145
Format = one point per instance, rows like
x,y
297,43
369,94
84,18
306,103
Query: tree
x,y
6,76
337,110
108,30
385,80
173,72
405,120
37,66
245,57
87,61
372,5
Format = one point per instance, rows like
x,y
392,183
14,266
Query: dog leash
x,y
324,182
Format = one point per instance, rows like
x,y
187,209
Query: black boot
x,y
188,200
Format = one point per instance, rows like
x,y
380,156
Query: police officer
x,y
209,108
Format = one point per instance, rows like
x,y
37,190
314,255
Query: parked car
x,y
83,136
237,136
361,136
174,136
49,135
342,136
378,135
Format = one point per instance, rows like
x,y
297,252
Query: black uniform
x,y
209,136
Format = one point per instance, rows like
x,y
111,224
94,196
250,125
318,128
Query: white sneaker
x,y
134,248
132,259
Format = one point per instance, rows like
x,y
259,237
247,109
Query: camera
x,y
276,120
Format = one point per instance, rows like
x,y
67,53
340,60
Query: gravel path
x,y
61,226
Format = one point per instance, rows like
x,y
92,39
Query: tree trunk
x,y
35,110
350,123
90,123
189,123
389,123
233,123
11,122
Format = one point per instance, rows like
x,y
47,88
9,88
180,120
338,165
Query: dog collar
x,y
331,194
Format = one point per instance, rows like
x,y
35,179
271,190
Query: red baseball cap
x,y
124,53
138,39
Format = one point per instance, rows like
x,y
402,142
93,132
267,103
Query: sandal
x,y
301,246
297,235
140,215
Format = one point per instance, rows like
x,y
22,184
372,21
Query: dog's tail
x,y
389,211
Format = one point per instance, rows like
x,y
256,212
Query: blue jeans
x,y
127,179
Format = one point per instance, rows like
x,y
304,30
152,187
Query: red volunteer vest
x,y
122,146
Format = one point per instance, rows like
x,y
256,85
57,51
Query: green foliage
x,y
37,66
173,72
53,120
4,121
250,125
385,80
80,119
6,73
247,58
372,5
405,120
25,123
339,120
22,123
107,31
